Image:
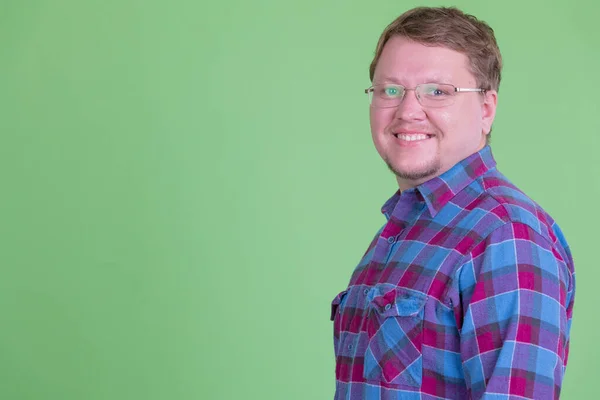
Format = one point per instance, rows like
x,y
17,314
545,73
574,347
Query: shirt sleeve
x,y
516,299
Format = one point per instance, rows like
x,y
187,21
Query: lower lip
x,y
412,143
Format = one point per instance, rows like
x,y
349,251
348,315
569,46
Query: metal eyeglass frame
x,y
456,90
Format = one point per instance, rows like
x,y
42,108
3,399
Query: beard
x,y
417,174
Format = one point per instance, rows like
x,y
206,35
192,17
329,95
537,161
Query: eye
x,y
437,90
392,91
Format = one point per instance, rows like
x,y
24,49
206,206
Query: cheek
x,y
454,122
380,119
442,121
470,122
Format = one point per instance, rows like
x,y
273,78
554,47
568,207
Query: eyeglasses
x,y
389,95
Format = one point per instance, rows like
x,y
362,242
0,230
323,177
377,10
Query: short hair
x,y
451,28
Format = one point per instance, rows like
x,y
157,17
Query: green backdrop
x,y
187,184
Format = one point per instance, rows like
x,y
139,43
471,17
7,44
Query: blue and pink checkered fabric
x,y
465,293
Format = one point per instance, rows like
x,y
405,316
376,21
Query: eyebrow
x,y
391,79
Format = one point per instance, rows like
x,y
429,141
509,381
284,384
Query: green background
x,y
186,185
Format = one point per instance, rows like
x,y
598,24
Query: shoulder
x,y
521,231
494,210
512,208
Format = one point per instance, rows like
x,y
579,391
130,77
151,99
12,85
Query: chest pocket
x,y
395,332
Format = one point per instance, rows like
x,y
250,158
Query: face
x,y
452,132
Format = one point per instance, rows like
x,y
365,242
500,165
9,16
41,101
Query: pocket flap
x,y
336,303
399,302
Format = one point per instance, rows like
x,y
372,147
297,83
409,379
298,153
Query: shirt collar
x,y
438,191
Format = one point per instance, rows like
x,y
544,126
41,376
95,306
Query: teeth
x,y
410,138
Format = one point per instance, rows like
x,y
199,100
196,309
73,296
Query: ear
x,y
488,110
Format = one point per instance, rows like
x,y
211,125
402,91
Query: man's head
x,y
433,45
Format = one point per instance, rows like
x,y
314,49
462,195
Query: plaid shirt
x,y
465,293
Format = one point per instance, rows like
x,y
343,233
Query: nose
x,y
410,108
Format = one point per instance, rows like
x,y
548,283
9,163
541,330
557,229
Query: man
x,y
467,291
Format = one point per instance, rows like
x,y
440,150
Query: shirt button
x,y
366,292
388,306
349,347
391,239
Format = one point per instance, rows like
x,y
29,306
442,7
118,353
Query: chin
x,y
415,174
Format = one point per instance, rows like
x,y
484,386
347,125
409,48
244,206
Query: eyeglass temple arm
x,y
468,90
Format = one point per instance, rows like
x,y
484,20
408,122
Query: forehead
x,y
405,61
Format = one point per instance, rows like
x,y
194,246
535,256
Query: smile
x,y
412,138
